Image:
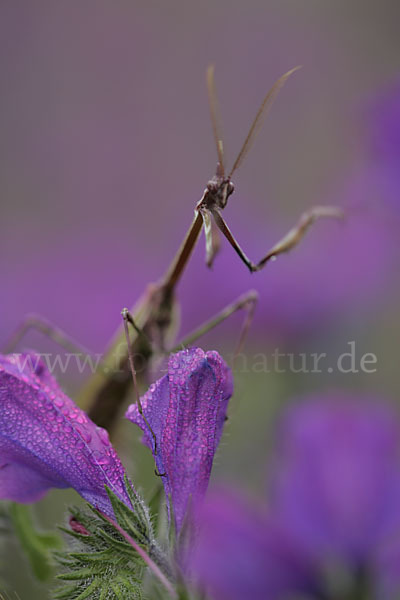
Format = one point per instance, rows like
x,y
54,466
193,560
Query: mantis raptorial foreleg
x,y
289,241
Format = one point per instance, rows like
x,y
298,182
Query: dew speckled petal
x,y
186,410
47,441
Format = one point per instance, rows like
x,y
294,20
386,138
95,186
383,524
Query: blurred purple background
x,y
106,146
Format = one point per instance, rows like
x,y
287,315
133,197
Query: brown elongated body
x,y
154,314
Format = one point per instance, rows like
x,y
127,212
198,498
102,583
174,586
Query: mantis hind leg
x,y
49,330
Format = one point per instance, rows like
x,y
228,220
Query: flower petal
x,y
47,441
186,411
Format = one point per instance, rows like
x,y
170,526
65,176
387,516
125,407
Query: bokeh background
x,y
106,146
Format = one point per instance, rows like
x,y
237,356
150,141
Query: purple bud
x,y
186,410
46,441
77,526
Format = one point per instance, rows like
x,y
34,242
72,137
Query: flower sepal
x,y
101,559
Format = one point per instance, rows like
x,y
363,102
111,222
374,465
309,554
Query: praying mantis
x,y
153,317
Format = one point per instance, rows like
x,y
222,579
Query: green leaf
x,y
156,499
103,565
36,545
88,592
100,565
64,593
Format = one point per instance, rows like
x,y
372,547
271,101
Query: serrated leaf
x,y
117,591
65,592
88,591
90,557
79,575
129,520
75,534
101,564
120,545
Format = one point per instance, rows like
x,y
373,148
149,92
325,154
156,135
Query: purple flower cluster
x,y
46,441
331,527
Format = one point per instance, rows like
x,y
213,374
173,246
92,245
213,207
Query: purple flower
x,y
186,411
383,138
383,116
333,518
241,553
335,482
46,441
